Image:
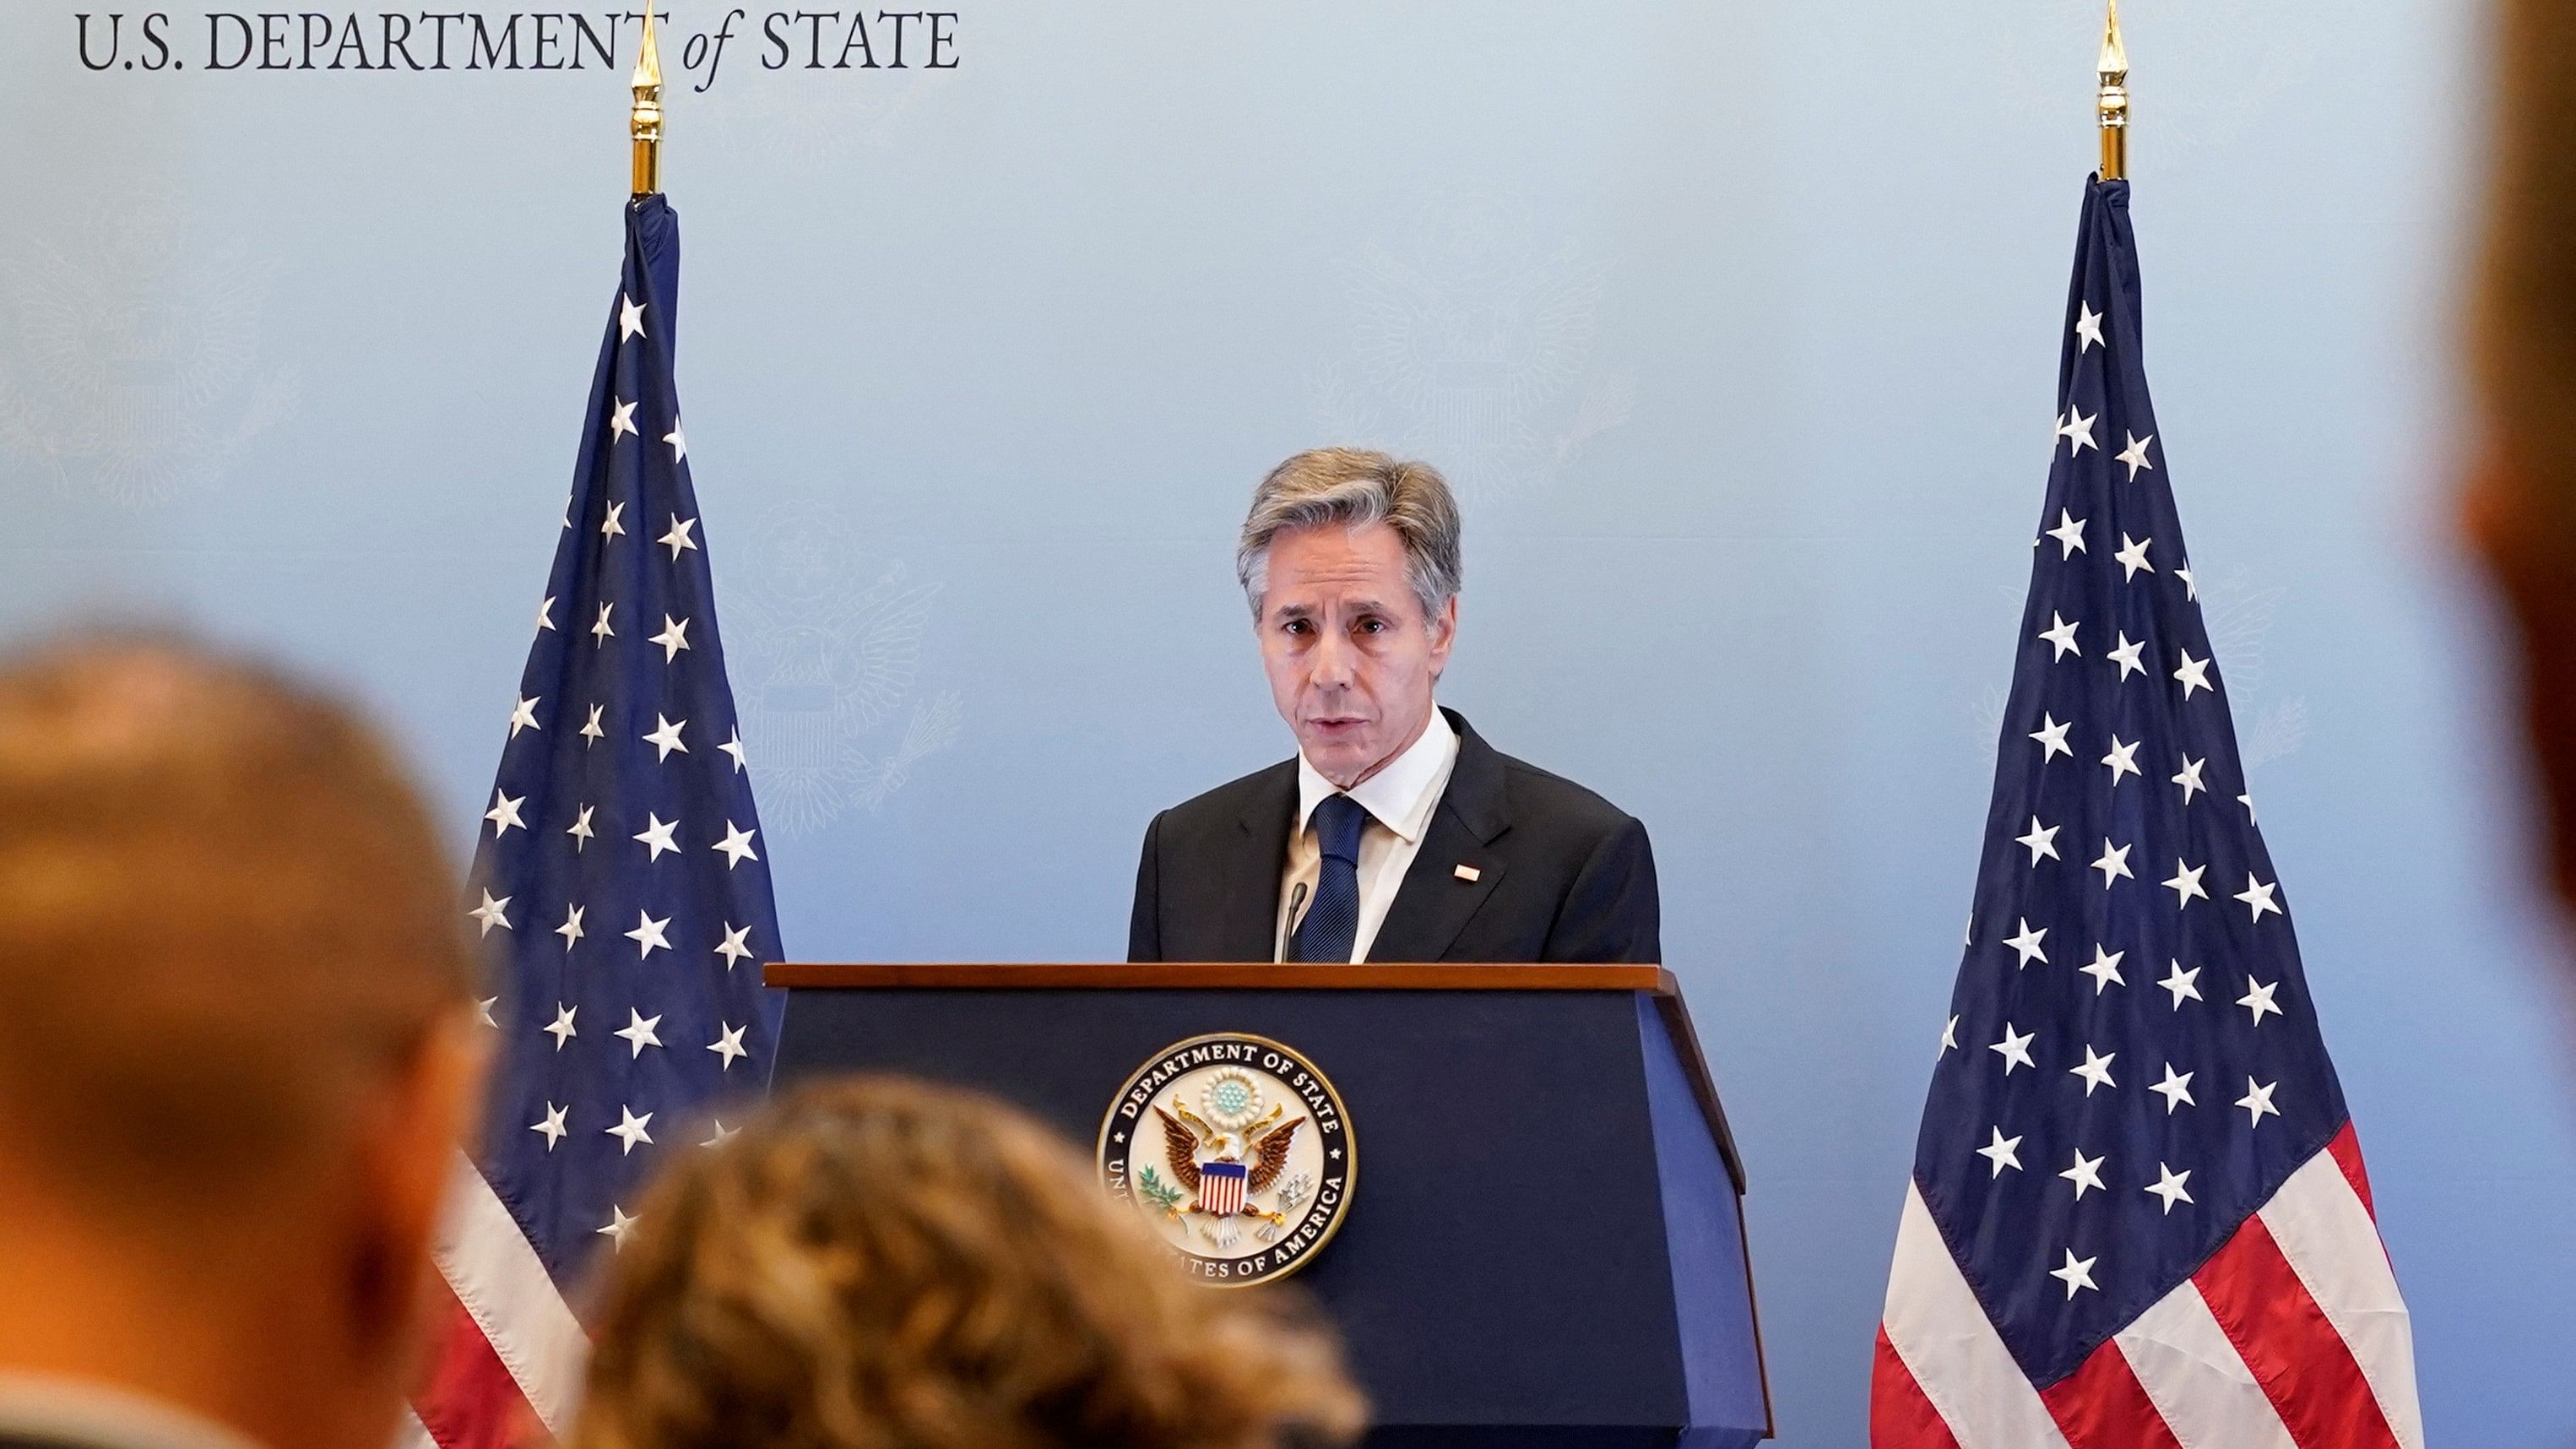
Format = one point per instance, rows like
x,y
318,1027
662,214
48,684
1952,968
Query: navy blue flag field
x,y
618,889
2138,1215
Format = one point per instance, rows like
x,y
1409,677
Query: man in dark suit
x,y
243,1046
1397,833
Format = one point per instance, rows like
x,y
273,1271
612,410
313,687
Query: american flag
x,y
618,887
2138,1215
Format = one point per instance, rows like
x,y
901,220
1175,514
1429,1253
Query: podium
x,y
1538,1239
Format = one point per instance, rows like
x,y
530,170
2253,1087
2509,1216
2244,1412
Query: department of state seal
x,y
1238,1151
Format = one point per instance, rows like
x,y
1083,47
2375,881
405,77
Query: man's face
x,y
1350,656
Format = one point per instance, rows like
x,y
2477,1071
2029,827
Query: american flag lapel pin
x,y
1468,872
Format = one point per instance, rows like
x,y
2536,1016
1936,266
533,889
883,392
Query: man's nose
x,y
1332,662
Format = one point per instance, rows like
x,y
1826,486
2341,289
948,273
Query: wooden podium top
x,y
1211,976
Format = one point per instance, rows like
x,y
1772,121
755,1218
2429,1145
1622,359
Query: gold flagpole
x,y
645,120
2112,101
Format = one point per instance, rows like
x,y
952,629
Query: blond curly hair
x,y
879,1264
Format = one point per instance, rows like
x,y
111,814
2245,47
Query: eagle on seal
x,y
1185,1134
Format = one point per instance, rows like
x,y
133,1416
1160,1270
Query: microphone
x,y
1288,925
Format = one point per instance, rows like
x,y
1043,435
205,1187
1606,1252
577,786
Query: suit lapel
x,y
1248,904
1435,903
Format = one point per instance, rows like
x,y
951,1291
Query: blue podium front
x,y
1543,1241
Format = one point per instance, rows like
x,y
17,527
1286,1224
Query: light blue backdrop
x,y
1736,325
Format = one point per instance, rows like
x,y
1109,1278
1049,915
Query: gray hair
x,y
1354,487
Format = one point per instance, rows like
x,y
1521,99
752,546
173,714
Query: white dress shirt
x,y
1399,800
87,1412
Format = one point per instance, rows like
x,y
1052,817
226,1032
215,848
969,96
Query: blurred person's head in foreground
x,y
2521,498
878,1264
241,1049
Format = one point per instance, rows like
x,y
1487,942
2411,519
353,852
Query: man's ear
x,y
408,1148
1444,632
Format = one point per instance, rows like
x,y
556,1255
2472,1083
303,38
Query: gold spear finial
x,y
645,120
2112,101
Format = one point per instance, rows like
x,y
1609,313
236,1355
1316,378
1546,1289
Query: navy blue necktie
x,y
1333,922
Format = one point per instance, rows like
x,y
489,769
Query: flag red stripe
x,y
2304,1366
1899,1416
2346,1148
469,1400
2103,1406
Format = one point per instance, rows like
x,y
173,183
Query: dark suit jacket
x,y
1561,874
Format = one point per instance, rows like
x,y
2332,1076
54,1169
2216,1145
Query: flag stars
x,y
2257,896
2002,1152
2061,638
2175,1089
665,737
561,1028
649,934
2104,968
621,421
2189,779
2052,738
2123,760
619,1226
2078,431
728,1044
2185,883
723,1134
2015,1050
2041,841
2193,673
2181,983
523,716
2170,1187
2132,557
630,1130
733,947
630,317
2257,1102
571,929
546,614
2069,534
2190,585
2095,1070
678,538
656,835
505,813
492,913
591,733
552,1128
2027,943
614,525
733,747
2135,455
2258,999
2086,1174
2088,330
580,830
639,1032
673,638
736,845
2077,1273
1949,1037
2113,862
483,1009
679,446
600,633
2126,656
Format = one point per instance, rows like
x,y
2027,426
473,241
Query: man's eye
x,y
1372,626
1298,626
